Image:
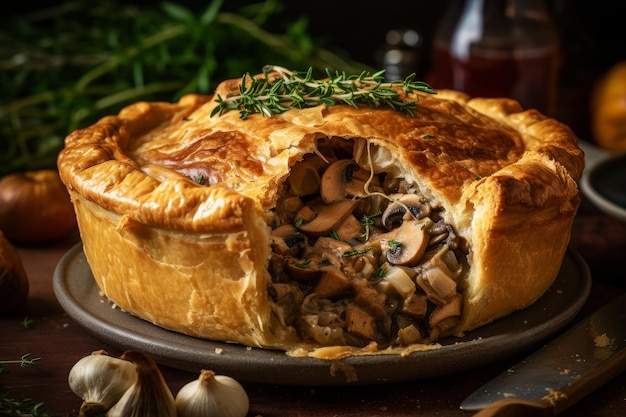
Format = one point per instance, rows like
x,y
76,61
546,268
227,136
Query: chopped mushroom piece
x,y
349,229
409,334
332,283
415,305
372,300
360,323
287,207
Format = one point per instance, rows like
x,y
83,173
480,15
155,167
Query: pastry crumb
x,y
602,340
219,351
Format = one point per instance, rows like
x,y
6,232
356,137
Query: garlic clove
x,y
212,395
149,396
100,380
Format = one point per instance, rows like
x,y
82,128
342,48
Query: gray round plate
x,y
80,297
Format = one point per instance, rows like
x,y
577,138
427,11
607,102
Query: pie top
x,y
459,148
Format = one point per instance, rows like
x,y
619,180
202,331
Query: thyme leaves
x,y
274,95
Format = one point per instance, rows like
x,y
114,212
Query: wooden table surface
x,y
60,342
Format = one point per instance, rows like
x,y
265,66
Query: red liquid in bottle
x,y
498,48
528,76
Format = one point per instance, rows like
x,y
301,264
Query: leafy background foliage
x,y
65,67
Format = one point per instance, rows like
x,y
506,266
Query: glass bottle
x,y
499,48
403,53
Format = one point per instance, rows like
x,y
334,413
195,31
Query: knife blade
x,y
577,362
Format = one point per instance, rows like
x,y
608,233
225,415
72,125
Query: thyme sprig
x,y
274,95
25,361
20,407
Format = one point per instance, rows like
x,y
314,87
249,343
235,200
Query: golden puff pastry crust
x,y
179,213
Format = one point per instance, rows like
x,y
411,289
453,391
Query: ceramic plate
x,y
78,294
604,180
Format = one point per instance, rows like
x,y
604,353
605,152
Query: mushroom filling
x,y
358,257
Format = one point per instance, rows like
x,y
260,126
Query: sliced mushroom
x,y
442,232
303,270
409,243
450,309
304,178
335,180
327,244
396,212
328,217
287,240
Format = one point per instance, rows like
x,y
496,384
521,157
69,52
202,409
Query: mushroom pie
x,y
323,228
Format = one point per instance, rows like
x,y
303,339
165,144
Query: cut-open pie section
x,y
360,256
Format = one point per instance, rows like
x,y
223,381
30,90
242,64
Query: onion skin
x,y
35,207
13,279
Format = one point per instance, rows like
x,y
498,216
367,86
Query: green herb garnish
x,y
27,323
304,264
367,222
356,252
25,361
269,96
393,244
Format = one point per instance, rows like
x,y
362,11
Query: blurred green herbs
x,y
64,68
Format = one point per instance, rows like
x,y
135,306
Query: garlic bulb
x,y
212,395
149,396
100,380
